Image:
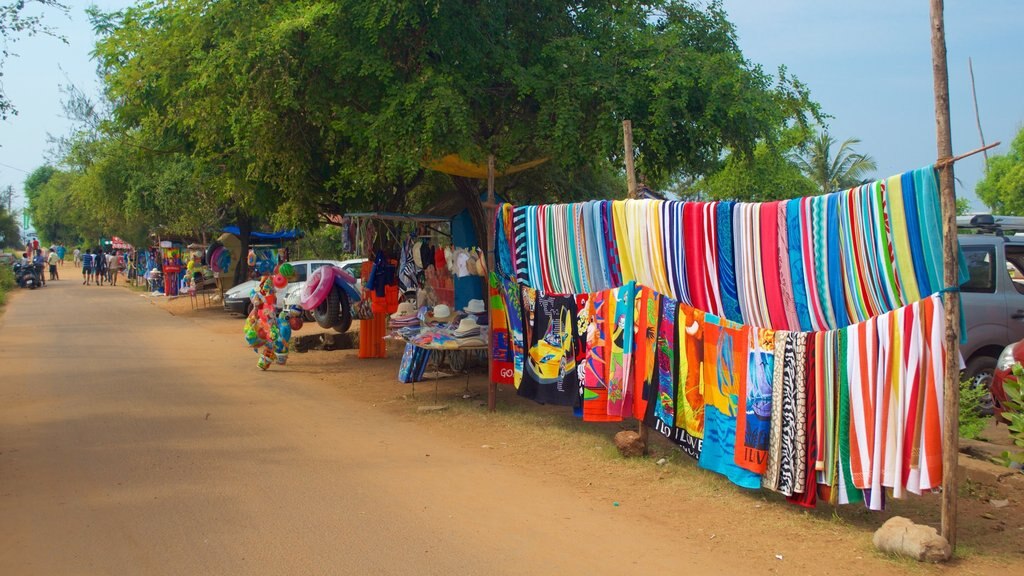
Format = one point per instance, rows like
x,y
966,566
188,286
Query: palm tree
x,y
844,170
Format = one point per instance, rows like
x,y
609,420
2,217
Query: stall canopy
x,y
118,244
292,234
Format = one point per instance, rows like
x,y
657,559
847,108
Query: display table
x,y
418,357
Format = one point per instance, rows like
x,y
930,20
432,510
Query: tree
x,y
14,22
829,172
1002,188
9,232
768,174
293,110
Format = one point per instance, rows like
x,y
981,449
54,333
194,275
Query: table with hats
x,y
430,331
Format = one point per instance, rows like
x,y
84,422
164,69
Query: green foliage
x,y
972,420
767,174
1002,188
963,206
16,23
839,171
322,242
292,110
7,282
1014,415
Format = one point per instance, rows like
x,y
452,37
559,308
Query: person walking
x,y
86,260
78,256
113,267
99,266
61,253
52,260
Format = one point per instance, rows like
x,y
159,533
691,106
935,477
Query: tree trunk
x,y
244,233
469,190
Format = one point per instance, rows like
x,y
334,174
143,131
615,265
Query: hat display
x,y
441,313
467,328
475,306
405,309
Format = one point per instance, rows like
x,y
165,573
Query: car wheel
x,y
327,312
980,371
344,314
248,309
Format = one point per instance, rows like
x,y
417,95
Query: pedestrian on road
x,y
52,260
99,266
78,257
61,253
40,264
86,259
113,267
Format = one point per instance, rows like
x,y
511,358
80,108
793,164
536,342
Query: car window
x,y
354,269
1015,266
300,272
980,268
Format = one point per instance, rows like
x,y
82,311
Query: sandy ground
x,y
137,436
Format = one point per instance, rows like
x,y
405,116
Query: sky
x,y
868,63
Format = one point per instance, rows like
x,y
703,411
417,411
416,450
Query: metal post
x,y
492,385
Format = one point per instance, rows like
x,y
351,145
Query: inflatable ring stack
x,y
317,287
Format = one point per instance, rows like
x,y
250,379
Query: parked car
x,y
237,298
993,296
1011,355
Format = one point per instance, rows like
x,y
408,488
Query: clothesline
x,y
671,312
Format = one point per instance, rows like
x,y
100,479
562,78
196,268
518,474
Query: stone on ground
x,y
901,536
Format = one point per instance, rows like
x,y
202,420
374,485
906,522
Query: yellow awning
x,y
453,164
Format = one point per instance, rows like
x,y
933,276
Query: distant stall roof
x,y
292,234
395,216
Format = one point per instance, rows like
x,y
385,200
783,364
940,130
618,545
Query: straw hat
x,y
405,309
467,325
441,313
475,306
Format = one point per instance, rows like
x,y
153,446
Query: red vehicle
x,y
1011,355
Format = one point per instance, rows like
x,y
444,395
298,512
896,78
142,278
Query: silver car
x,y
993,297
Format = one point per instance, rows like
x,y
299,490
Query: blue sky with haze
x,y
867,62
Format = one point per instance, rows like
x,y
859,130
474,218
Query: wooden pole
x,y
627,136
492,385
951,300
977,115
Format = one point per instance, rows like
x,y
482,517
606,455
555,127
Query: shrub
x,y
1013,413
972,419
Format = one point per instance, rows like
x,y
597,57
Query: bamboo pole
x,y
977,115
492,385
627,136
951,300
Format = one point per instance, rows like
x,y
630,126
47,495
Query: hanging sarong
x,y
753,426
725,349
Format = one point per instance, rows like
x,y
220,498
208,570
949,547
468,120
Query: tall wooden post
x,y
492,385
947,194
627,136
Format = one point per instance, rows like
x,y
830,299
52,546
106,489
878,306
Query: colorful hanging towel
x,y
753,427
550,375
727,263
725,348
620,334
808,495
690,341
646,330
595,383
665,361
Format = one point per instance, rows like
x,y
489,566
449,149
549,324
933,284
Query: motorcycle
x,y
27,275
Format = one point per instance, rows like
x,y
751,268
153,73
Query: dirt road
x,y
133,441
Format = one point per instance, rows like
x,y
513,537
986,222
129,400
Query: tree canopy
x,y
284,112
1002,188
